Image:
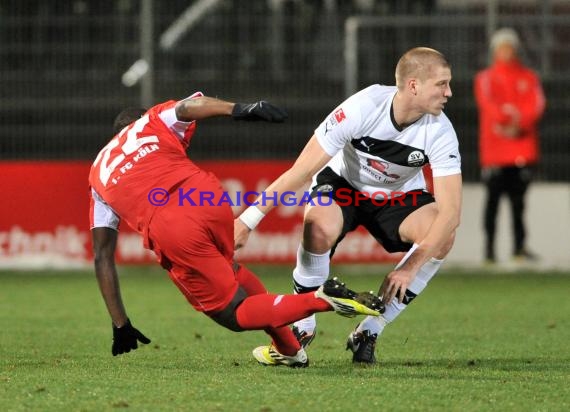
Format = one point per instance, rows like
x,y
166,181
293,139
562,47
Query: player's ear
x,y
413,86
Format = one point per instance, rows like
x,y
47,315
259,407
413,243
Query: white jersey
x,y
374,155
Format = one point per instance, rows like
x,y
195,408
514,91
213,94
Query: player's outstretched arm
x,y
203,107
310,161
125,336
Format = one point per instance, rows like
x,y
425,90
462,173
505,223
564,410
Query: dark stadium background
x,y
61,65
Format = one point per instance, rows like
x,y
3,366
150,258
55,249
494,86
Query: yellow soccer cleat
x,y
268,356
348,303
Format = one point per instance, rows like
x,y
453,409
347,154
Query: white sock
x,y
376,324
312,271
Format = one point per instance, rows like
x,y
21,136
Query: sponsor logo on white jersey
x,y
416,158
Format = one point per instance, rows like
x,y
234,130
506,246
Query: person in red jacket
x,y
510,102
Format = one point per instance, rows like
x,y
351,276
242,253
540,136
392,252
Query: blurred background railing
x,y
61,66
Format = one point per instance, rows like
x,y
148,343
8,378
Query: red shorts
x,y
195,243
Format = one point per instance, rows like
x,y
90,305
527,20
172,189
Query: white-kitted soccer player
x,y
373,147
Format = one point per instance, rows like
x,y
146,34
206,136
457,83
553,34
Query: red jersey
x,y
508,84
148,154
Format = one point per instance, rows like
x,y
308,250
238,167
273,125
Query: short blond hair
x,y
418,62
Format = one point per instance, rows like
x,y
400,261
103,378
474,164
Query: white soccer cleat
x,y
268,356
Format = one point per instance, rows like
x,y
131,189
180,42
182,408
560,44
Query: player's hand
x,y
125,338
261,110
241,234
511,110
395,285
508,132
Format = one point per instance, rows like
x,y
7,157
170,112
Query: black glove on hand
x,y
125,338
261,110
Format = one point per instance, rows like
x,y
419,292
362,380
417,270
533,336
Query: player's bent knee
x,y
319,236
227,316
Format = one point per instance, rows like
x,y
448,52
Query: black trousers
x,y
512,181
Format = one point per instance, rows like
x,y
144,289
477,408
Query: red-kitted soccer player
x,y
134,178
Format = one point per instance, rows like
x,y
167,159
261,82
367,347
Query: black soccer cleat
x,y
362,344
303,337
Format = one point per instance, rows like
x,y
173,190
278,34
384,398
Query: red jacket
x,y
508,84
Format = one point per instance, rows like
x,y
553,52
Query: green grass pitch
x,y
470,342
